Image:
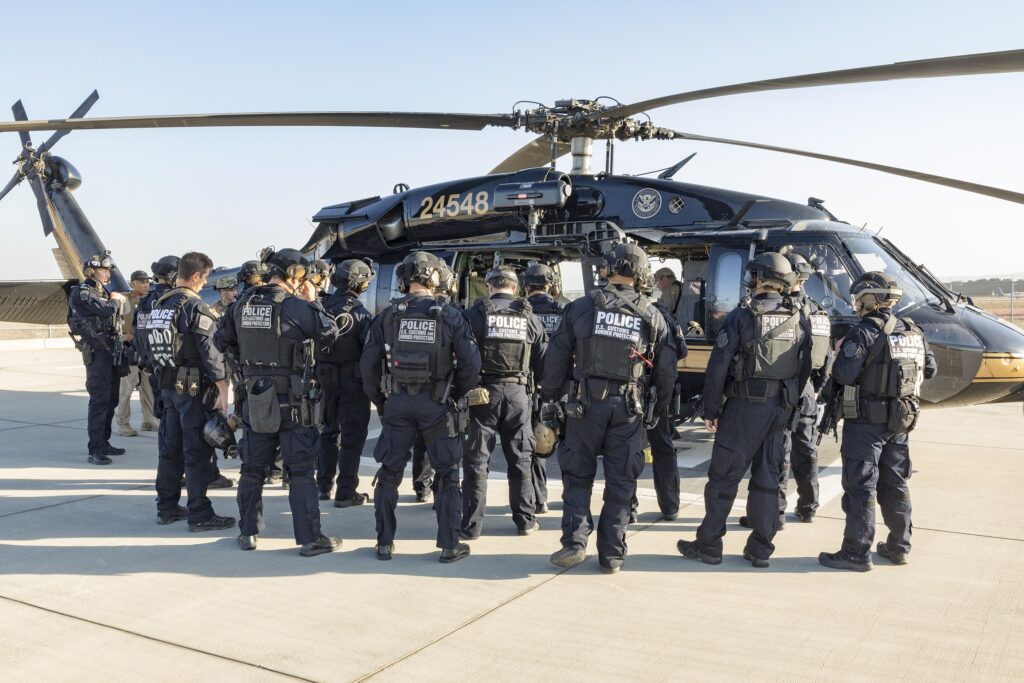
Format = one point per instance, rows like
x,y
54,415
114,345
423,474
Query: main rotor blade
x,y
986,190
372,119
42,204
535,153
960,65
20,115
18,177
82,110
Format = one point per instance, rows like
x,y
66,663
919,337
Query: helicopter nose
x,y
999,371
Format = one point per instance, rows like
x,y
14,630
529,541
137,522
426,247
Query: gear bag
x,y
263,404
505,349
621,337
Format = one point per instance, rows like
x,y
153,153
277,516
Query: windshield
x,y
871,256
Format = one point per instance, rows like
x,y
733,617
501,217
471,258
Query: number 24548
x,y
467,204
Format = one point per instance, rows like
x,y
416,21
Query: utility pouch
x,y
411,368
903,375
87,354
903,413
264,409
210,394
791,393
634,400
877,411
851,400
478,396
181,381
462,415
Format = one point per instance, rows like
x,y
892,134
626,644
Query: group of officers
x,y
597,375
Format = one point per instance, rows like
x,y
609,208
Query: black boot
x,y
324,544
170,516
214,523
459,552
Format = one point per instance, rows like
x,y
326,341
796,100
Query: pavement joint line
x,y
941,531
73,500
155,639
968,445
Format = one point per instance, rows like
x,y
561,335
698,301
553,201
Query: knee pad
x,y
387,477
301,473
254,471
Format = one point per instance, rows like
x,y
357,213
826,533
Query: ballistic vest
x,y
821,332
165,345
622,334
349,347
420,353
549,312
262,349
774,351
895,369
505,348
97,331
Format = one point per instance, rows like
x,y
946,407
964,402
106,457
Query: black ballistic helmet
x,y
801,268
882,285
251,268
539,275
218,432
627,260
165,268
353,275
449,283
773,269
502,272
421,267
98,261
286,263
320,272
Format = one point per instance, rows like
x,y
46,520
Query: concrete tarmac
x,y
92,589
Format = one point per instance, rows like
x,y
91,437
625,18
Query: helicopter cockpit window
x,y
571,276
870,255
830,281
726,286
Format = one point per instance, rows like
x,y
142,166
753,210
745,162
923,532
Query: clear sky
x,y
230,192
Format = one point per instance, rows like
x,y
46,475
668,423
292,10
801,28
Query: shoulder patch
x,y
722,340
204,322
852,349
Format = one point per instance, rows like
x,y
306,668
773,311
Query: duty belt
x,y
599,387
504,379
754,389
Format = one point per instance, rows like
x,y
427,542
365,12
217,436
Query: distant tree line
x,y
993,286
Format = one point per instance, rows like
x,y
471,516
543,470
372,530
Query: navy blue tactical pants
x,y
664,465
404,418
506,416
104,387
299,449
346,419
422,472
802,457
539,467
750,434
875,461
183,450
608,429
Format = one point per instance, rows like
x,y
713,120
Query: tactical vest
x,y
93,329
896,368
622,334
774,352
420,354
165,346
821,334
505,348
349,346
550,315
262,349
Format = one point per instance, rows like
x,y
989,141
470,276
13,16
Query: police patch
x,y
418,331
646,203
722,340
617,326
205,322
851,349
510,327
257,317
550,321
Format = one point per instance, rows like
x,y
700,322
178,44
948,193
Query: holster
x,y
578,401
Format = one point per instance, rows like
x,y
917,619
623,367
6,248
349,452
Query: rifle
x,y
310,404
833,397
117,348
649,417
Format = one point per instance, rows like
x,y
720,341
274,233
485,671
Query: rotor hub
x,y
573,118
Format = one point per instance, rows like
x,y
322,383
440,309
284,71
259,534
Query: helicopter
x,y
526,210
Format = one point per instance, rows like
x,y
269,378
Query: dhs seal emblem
x,y
646,203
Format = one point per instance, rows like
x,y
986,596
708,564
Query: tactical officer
x,y
346,405
227,287
760,364
165,273
178,338
613,350
135,378
664,464
539,280
273,331
92,317
512,344
877,377
422,472
431,361
319,274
